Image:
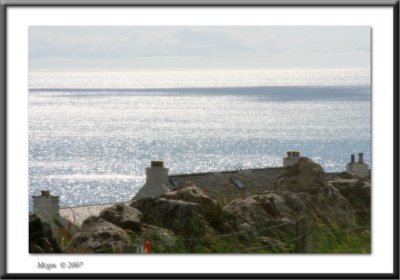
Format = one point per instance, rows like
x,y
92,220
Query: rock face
x,y
358,192
162,236
40,236
123,216
308,176
301,191
99,236
305,176
190,193
184,218
259,215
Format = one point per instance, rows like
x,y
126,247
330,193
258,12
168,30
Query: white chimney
x,y
359,168
46,205
157,181
291,159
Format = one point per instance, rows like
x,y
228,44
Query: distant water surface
x,y
91,135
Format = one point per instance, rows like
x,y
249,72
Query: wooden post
x,y
304,232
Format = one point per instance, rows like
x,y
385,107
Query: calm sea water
x,y
91,135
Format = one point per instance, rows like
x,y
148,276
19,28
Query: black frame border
x,y
4,4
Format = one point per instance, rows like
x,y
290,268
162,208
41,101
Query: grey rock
x,y
304,176
123,216
190,193
162,236
99,236
184,218
358,192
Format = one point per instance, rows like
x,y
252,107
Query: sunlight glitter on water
x,y
93,146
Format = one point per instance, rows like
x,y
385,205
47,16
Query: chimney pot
x,y
352,158
45,193
157,163
360,157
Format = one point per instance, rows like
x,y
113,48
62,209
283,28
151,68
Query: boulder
x,y
183,217
41,238
259,215
275,212
190,193
123,216
304,176
358,192
96,235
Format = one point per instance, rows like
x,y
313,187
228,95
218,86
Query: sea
x,y
92,134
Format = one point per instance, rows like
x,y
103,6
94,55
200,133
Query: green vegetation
x,y
333,239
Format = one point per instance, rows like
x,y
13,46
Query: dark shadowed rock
x,y
123,216
40,236
358,193
99,236
184,218
162,236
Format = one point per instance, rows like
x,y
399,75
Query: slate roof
x,y
215,183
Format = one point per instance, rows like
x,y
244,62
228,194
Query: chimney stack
x,y
45,193
360,157
46,205
157,181
352,158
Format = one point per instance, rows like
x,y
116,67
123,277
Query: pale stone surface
x,y
78,214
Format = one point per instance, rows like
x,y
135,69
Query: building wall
x,y
47,207
156,175
289,161
360,169
157,182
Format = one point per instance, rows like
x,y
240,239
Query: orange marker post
x,y
147,247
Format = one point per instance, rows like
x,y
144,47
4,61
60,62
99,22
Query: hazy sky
x,y
136,47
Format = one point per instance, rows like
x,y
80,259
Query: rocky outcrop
x,y
41,238
99,236
182,217
301,191
160,235
190,193
309,178
185,218
358,192
123,216
259,215
304,176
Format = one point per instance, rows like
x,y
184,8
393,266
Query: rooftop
x,y
215,184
